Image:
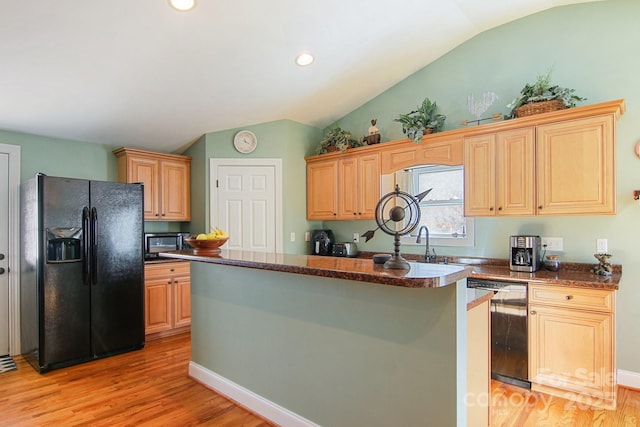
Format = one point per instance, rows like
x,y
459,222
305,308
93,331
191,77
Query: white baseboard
x,y
250,400
629,379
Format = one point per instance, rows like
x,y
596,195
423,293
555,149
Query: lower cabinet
x,y
167,298
572,343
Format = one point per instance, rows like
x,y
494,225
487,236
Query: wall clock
x,y
245,141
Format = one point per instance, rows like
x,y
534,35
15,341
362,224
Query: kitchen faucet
x,y
427,256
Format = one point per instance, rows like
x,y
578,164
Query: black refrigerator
x,y
82,270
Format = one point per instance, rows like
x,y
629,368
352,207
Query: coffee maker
x,y
322,242
524,253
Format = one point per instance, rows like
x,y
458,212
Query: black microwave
x,y
154,243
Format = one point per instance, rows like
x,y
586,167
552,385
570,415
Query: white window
x,y
442,210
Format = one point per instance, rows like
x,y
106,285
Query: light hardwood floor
x,y
150,387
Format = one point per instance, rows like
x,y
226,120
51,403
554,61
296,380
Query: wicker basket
x,y
539,107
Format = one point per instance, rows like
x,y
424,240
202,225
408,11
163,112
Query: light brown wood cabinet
x,y
166,179
558,163
572,343
343,188
573,172
576,167
438,151
167,298
499,173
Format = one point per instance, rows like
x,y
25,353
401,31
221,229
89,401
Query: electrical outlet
x,y
293,236
602,246
552,243
356,237
307,236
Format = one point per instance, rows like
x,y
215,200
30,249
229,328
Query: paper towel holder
x,y
636,194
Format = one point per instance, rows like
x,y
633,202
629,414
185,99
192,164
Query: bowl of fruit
x,y
208,243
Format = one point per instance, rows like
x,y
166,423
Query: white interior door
x,y
4,252
245,198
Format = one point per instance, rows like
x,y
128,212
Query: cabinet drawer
x,y
568,297
166,269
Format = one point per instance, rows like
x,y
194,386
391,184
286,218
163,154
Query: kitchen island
x,y
310,340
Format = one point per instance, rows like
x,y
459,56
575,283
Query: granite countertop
x,y
577,275
360,269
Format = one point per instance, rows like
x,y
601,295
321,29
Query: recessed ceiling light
x,y
183,5
303,59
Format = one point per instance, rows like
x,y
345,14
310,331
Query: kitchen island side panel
x,y
336,352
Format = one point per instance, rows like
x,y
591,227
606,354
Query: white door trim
x,y
13,257
213,176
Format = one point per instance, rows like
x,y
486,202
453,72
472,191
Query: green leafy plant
x,y
543,90
337,139
416,123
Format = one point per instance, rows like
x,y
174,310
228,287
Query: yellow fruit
x,y
211,236
201,237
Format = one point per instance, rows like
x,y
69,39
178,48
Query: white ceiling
x,y
138,73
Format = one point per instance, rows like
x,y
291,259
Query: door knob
x,y
1,270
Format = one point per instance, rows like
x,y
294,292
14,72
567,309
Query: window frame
x,y
439,240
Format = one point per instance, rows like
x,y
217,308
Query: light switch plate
x,y
293,236
356,237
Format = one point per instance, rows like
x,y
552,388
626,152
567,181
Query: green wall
x,y
58,157
282,139
593,49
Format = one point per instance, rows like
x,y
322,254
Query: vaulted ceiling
x,y
139,73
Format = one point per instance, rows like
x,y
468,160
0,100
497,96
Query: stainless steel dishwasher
x,y
509,337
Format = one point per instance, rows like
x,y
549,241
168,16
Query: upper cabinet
x,y
576,167
343,188
166,179
499,173
560,163
557,163
435,151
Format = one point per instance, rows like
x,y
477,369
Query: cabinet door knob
x,y
2,270
172,270
355,213
568,297
157,214
540,207
532,312
175,282
169,282
491,209
500,208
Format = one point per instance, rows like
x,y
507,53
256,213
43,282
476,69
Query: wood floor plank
x,y
146,387
151,387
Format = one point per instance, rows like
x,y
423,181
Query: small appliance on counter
x,y
524,253
346,249
322,242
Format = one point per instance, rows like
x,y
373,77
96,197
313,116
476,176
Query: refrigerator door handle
x,y
94,246
86,267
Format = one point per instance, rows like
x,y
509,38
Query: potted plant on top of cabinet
x,y
542,97
423,120
337,139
